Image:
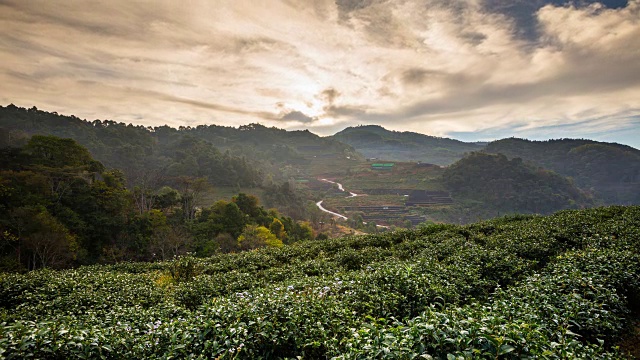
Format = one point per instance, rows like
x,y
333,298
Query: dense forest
x,y
562,286
611,172
82,192
512,186
608,172
60,207
255,156
140,152
248,156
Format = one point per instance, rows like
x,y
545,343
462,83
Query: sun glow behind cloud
x,y
432,66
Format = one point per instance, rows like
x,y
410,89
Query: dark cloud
x,y
346,7
329,95
474,38
521,12
415,76
209,105
517,94
330,109
345,111
419,76
258,44
579,82
297,116
386,29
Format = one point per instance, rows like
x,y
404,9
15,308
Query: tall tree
x,y
49,242
192,190
254,237
277,228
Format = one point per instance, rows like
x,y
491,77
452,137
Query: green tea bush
x,y
560,286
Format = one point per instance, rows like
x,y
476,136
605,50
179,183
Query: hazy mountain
x,y
374,141
228,156
252,155
505,185
610,171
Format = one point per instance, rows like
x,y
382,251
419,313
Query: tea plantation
x,y
560,286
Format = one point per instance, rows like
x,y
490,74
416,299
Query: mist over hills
x,y
118,192
610,172
374,141
256,156
241,156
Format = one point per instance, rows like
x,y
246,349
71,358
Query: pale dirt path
x,y
351,194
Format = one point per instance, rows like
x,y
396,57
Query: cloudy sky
x,y
472,70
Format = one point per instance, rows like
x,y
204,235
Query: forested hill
x,y
503,186
227,156
273,144
142,153
374,141
610,171
60,208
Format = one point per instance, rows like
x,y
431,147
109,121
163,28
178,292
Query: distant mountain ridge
x,y
241,152
374,141
249,155
610,171
512,185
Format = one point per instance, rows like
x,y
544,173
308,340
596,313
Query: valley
x,y
258,242
295,171
328,179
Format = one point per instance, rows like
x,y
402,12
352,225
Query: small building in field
x,y
382,166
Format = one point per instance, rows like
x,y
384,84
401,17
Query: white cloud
x,y
431,66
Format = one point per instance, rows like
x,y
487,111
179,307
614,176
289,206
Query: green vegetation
x,y
511,186
412,176
148,157
226,277
247,156
253,157
374,141
205,164
59,208
611,172
561,286
482,186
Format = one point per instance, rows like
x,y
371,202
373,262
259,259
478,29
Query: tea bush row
x,y
557,286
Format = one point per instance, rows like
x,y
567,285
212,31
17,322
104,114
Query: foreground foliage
x,y
60,208
561,286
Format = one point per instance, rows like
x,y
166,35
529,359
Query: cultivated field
x,y
561,286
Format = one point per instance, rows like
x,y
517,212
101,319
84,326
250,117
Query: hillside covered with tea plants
x,y
560,286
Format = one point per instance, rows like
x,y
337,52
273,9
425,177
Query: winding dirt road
x,y
351,194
